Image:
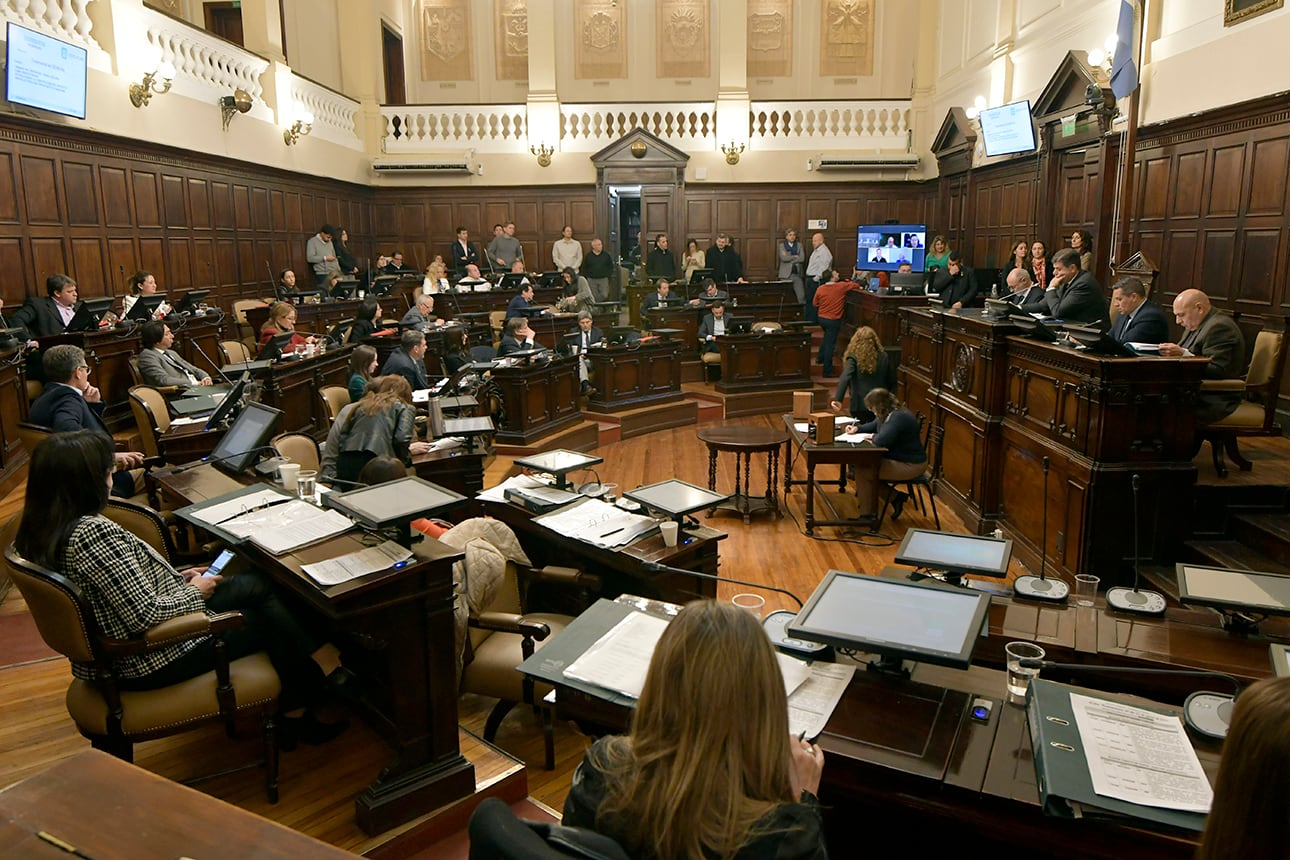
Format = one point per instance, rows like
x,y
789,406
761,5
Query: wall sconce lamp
x,y
543,153
298,129
155,82
732,151
1102,58
978,104
239,102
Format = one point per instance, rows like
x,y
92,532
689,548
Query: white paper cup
x,y
669,531
289,472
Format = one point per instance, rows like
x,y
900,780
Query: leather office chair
x,y
1256,415
298,448
243,327
334,398
932,438
151,415
114,719
32,435
483,352
766,327
497,322
235,352
497,834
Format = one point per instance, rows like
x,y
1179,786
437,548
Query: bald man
x,y
1025,293
1213,335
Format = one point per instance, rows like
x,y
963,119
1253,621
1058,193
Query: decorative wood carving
x,y
512,49
600,43
684,34
770,38
846,38
446,41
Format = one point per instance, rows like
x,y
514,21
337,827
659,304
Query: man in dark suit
x,y
660,263
724,261
408,360
1073,295
954,283
159,365
521,304
463,253
588,336
69,403
517,336
1216,336
1139,319
48,315
1025,293
661,297
713,325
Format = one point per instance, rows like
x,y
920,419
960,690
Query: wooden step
x,y
1266,533
1233,554
457,845
647,419
583,436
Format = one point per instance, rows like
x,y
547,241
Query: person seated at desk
x,y
69,403
464,254
521,304
712,327
408,361
1025,293
895,428
588,336
47,315
456,348
577,294
954,283
1139,319
690,781
421,314
1073,295
286,287
473,280
1248,816
381,424
282,319
365,320
661,297
436,278
516,337
866,367
362,364
131,589
710,295
1216,336
159,365
143,284
391,265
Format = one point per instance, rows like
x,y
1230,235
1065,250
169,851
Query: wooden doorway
x,y
224,20
392,61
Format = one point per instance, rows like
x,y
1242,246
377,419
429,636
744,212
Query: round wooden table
x,y
744,442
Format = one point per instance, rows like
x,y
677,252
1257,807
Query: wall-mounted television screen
x,y
44,72
1007,129
883,247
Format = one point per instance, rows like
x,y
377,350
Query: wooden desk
x,y
879,311
453,304
537,399
682,317
745,441
457,469
549,329
864,457
184,442
108,808
313,317
292,385
403,618
765,362
626,378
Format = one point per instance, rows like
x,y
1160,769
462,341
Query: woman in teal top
x,y
362,364
938,253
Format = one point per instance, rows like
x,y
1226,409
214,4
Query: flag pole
x,y
1128,156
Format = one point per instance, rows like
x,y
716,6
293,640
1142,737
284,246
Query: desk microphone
x,y
218,368
1135,600
208,460
1207,713
1040,587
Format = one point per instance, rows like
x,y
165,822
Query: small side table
x,y
744,442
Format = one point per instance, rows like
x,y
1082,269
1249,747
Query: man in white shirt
x,y
817,269
566,253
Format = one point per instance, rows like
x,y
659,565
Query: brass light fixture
x,y
155,82
732,151
298,129
543,153
239,102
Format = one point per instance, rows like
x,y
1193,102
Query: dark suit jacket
x,y
520,307
706,328
652,301
1148,325
1031,301
461,259
660,264
596,336
509,345
1219,339
40,316
63,408
1081,300
955,288
404,365
725,265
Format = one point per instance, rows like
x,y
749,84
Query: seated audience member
x,y
689,781
588,336
521,304
1072,295
1139,319
436,278
408,360
393,264
47,315
724,261
380,470
1213,334
1082,244
1019,258
1025,293
456,347
282,319
1247,819
954,283
69,403
286,286
463,252
516,337
829,300
159,365
710,294
577,293
472,280
131,588
895,428
142,284
381,424
1041,267
712,327
366,320
421,314
661,297
867,366
362,364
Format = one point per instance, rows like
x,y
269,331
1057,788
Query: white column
x,y
543,102
732,72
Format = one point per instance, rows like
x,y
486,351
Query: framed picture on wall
x,y
1237,11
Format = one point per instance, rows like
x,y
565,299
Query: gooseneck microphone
x,y
1136,600
1041,587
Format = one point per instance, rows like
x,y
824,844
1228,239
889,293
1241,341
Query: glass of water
x,y
1019,677
307,484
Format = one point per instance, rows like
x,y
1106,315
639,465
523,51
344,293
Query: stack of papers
x,y
598,523
273,520
367,560
519,482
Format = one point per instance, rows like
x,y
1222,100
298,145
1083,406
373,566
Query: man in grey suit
x,y
159,365
1216,336
1073,295
792,260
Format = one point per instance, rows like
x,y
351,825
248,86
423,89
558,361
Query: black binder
x,y
1065,786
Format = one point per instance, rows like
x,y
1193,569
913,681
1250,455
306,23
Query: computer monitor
x,y
621,334
738,325
1033,328
191,301
89,312
1007,129
698,276
1233,590
275,346
955,554
883,247
226,407
929,623
908,283
559,463
145,305
246,439
345,288
550,279
382,284
394,503
513,281
1103,344
675,498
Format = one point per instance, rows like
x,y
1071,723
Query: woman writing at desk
x,y
702,774
131,588
895,428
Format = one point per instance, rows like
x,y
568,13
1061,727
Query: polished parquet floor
x,y
318,784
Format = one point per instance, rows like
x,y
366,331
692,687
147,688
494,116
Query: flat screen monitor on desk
x,y
1102,344
145,306
675,498
229,404
275,346
898,620
1243,591
559,463
246,439
955,554
191,301
89,312
394,503
905,283
698,276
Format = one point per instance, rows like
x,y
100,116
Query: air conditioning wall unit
x,y
455,164
863,161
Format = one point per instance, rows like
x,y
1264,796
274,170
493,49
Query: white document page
x,y
498,493
794,671
619,659
283,528
1140,756
598,523
811,704
216,514
370,559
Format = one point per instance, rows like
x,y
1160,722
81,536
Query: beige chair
x,y
144,523
137,377
497,321
114,719
240,307
235,352
766,327
32,435
1256,415
298,448
151,414
501,636
334,398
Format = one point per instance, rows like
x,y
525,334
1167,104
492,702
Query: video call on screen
x,y
885,248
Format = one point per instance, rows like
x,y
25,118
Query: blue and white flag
x,y
1124,72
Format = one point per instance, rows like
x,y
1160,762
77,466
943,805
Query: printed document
x,y
370,559
283,528
811,704
619,659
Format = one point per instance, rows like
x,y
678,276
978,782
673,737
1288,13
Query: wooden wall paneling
x,y
248,265
582,217
759,216
1217,254
121,256
199,204
89,267
1179,250
788,213
1258,255
222,206
525,215
1188,185
495,212
908,211
116,197
700,221
242,208
152,258
225,260
471,216
443,228
179,264
278,209
412,220
174,211
79,186
12,263
48,256
1223,191
9,209
730,218
385,220
40,190
294,222
260,219
1268,177
203,259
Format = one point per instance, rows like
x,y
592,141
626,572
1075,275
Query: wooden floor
x,y
318,784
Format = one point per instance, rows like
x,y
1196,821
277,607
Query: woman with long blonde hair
x,y
381,424
865,367
692,780
282,319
